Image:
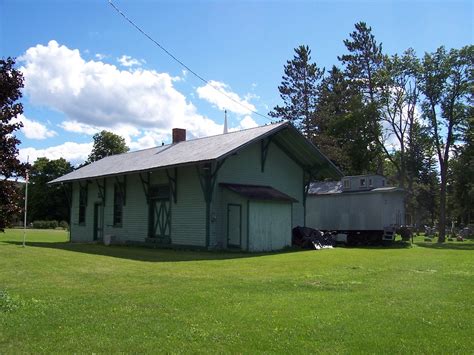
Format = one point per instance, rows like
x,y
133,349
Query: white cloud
x,y
100,56
75,153
34,129
248,122
245,123
128,61
219,94
78,127
93,94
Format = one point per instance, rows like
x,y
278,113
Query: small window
x,y
347,184
370,183
159,192
362,183
118,204
383,182
82,204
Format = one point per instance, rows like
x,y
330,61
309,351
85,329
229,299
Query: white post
x,y
26,205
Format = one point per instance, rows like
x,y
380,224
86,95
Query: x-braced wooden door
x,y
160,214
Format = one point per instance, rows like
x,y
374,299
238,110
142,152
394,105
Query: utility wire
x,y
181,63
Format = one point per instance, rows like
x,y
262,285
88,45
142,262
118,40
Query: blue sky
x,y
87,69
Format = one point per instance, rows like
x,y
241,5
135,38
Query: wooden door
x,y
98,222
160,213
234,225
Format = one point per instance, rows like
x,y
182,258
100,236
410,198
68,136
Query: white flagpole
x,y
26,204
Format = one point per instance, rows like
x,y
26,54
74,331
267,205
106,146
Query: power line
x,y
181,63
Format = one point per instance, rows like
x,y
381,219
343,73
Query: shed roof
x,y
257,192
208,149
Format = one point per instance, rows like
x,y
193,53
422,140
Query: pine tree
x,y
341,131
362,69
298,91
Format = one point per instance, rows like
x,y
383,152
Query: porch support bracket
x,y
85,187
101,188
122,185
173,180
264,145
146,185
207,178
67,188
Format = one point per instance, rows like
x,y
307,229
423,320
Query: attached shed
x,y
243,190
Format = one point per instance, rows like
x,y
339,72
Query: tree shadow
x,y
392,245
142,253
447,246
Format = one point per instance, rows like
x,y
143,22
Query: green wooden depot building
x,y
243,190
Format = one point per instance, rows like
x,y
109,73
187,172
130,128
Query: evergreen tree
x,y
363,64
298,91
11,82
341,131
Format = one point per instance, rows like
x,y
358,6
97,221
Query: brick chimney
x,y
179,135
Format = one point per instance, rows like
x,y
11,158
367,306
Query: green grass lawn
x,y
65,297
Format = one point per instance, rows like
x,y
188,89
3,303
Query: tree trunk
x,y
442,207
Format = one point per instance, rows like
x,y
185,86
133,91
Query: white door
x,y
269,225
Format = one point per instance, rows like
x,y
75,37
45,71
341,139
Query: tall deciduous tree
x,y
298,90
447,84
48,202
107,143
11,82
399,99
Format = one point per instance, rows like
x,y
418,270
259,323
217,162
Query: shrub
x,y
64,225
45,224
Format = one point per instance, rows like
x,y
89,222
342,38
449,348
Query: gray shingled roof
x,y
204,150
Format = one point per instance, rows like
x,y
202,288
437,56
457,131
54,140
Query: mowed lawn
x,y
65,297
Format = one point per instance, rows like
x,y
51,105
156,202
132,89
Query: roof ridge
x,y
169,145
233,132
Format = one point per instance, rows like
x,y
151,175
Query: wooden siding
x,y
188,226
83,232
187,215
280,172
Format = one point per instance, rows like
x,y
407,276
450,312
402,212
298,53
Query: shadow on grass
x,y
149,254
393,245
447,246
